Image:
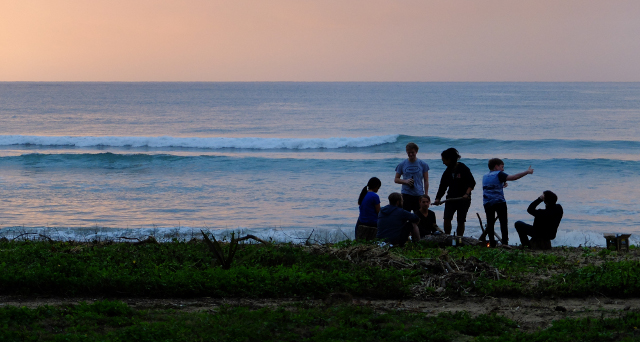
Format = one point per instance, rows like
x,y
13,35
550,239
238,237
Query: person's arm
x,y
471,182
520,175
399,180
442,188
532,207
426,182
377,208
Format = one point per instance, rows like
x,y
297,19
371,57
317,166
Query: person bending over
x,y
396,224
427,224
369,203
493,200
458,178
545,222
415,178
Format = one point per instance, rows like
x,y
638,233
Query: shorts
x,y
410,202
462,207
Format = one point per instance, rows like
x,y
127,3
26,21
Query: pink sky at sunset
x,y
320,40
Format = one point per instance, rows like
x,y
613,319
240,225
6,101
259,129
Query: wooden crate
x,y
618,242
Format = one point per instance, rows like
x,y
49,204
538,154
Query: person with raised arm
x,y
493,199
545,222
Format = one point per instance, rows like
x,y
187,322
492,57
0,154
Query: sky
x,y
320,40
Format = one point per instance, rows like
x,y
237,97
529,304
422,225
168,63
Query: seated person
x,y
545,222
395,224
427,224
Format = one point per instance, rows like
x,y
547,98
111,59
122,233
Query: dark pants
x,y
524,231
358,223
491,211
403,237
410,202
462,207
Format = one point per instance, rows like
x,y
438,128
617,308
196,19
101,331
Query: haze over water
x,y
291,156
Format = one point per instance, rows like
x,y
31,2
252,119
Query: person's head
x,y
412,151
395,199
374,185
550,198
496,164
450,156
425,202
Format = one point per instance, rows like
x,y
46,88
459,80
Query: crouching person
x,y
396,224
545,222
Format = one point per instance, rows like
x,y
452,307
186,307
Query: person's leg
x,y
501,209
524,231
449,210
491,221
463,208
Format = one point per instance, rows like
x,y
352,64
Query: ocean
x,y
283,160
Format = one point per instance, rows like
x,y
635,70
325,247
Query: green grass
x,y
188,270
181,269
116,321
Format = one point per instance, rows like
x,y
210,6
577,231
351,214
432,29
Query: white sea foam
x,y
572,238
195,142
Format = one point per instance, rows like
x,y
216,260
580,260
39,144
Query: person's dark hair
x,y
450,154
426,196
394,198
374,183
412,146
495,161
550,198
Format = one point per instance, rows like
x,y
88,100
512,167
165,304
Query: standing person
x,y
493,198
545,222
396,224
415,178
458,178
369,203
427,224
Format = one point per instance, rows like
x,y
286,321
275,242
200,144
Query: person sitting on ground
x,y
427,224
458,178
413,174
493,200
369,203
396,224
545,222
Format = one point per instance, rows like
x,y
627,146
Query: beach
x,y
81,160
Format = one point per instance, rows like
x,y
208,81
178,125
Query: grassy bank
x,y
188,269
116,321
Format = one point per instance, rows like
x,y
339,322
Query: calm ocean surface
x,y
281,159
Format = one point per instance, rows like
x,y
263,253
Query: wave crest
x,y
199,143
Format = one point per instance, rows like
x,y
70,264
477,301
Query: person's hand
x,y
437,202
541,197
529,170
465,196
505,185
410,182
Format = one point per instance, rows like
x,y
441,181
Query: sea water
x,y
284,159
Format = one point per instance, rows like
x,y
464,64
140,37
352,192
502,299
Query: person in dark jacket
x,y
545,222
395,224
460,182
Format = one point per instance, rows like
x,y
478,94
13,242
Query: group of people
x,y
408,212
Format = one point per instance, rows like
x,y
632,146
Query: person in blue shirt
x,y
396,224
413,174
369,203
493,199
